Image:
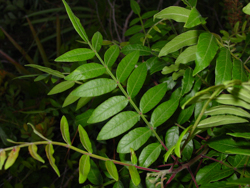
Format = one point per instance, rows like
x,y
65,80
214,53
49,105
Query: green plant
x,y
206,96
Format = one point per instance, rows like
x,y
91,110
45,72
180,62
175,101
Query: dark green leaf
x,y
97,41
154,64
63,86
118,185
49,152
185,115
95,175
242,181
135,7
221,184
187,82
112,170
149,154
70,99
85,139
188,150
111,55
189,54
240,135
172,136
134,175
47,70
79,54
82,101
222,144
84,168
144,50
132,30
194,19
239,151
82,118
64,127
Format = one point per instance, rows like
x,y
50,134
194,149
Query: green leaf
x,y
33,152
126,66
95,175
169,152
188,150
97,40
189,54
76,22
85,139
170,69
206,50
118,185
108,108
246,9
220,120
95,87
111,55
135,7
132,30
2,158
239,151
86,71
232,100
221,184
144,50
112,170
149,154
84,168
187,82
47,70
240,135
241,181
176,13
134,139
82,118
136,80
152,97
49,152
225,109
241,93
133,156
179,142
194,19
79,54
118,125
154,64
61,87
134,175
64,126
165,110
70,99
185,39
11,157
222,143
82,101
172,136
185,115
223,69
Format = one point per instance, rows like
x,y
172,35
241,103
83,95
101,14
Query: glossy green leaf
x,y
194,19
239,151
132,30
135,176
112,170
179,142
126,66
165,110
232,100
144,50
149,154
95,87
189,54
176,13
33,152
185,39
118,184
172,136
154,64
224,65
118,125
240,135
86,71
134,139
61,87
187,82
49,152
136,80
11,157
152,97
108,108
185,115
222,144
70,99
169,152
95,175
241,181
84,168
83,118
85,139
188,150
79,54
111,55
64,127
76,22
206,50
2,158
135,7
220,120
225,109
82,102
97,40
47,70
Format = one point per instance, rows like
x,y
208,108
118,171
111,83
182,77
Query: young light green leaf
x,y
220,120
185,115
144,50
170,69
82,118
134,139
206,50
61,87
49,152
133,156
189,54
112,170
185,39
82,101
135,7
194,19
246,9
134,175
47,70
70,99
111,55
33,152
169,152
118,125
223,69
64,126
225,109
108,108
85,139
179,142
149,154
86,71
136,80
95,175
95,88
97,41
187,82
165,110
239,72
79,54
12,157
152,97
76,22
232,100
126,66
2,158
176,13
240,135
84,168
